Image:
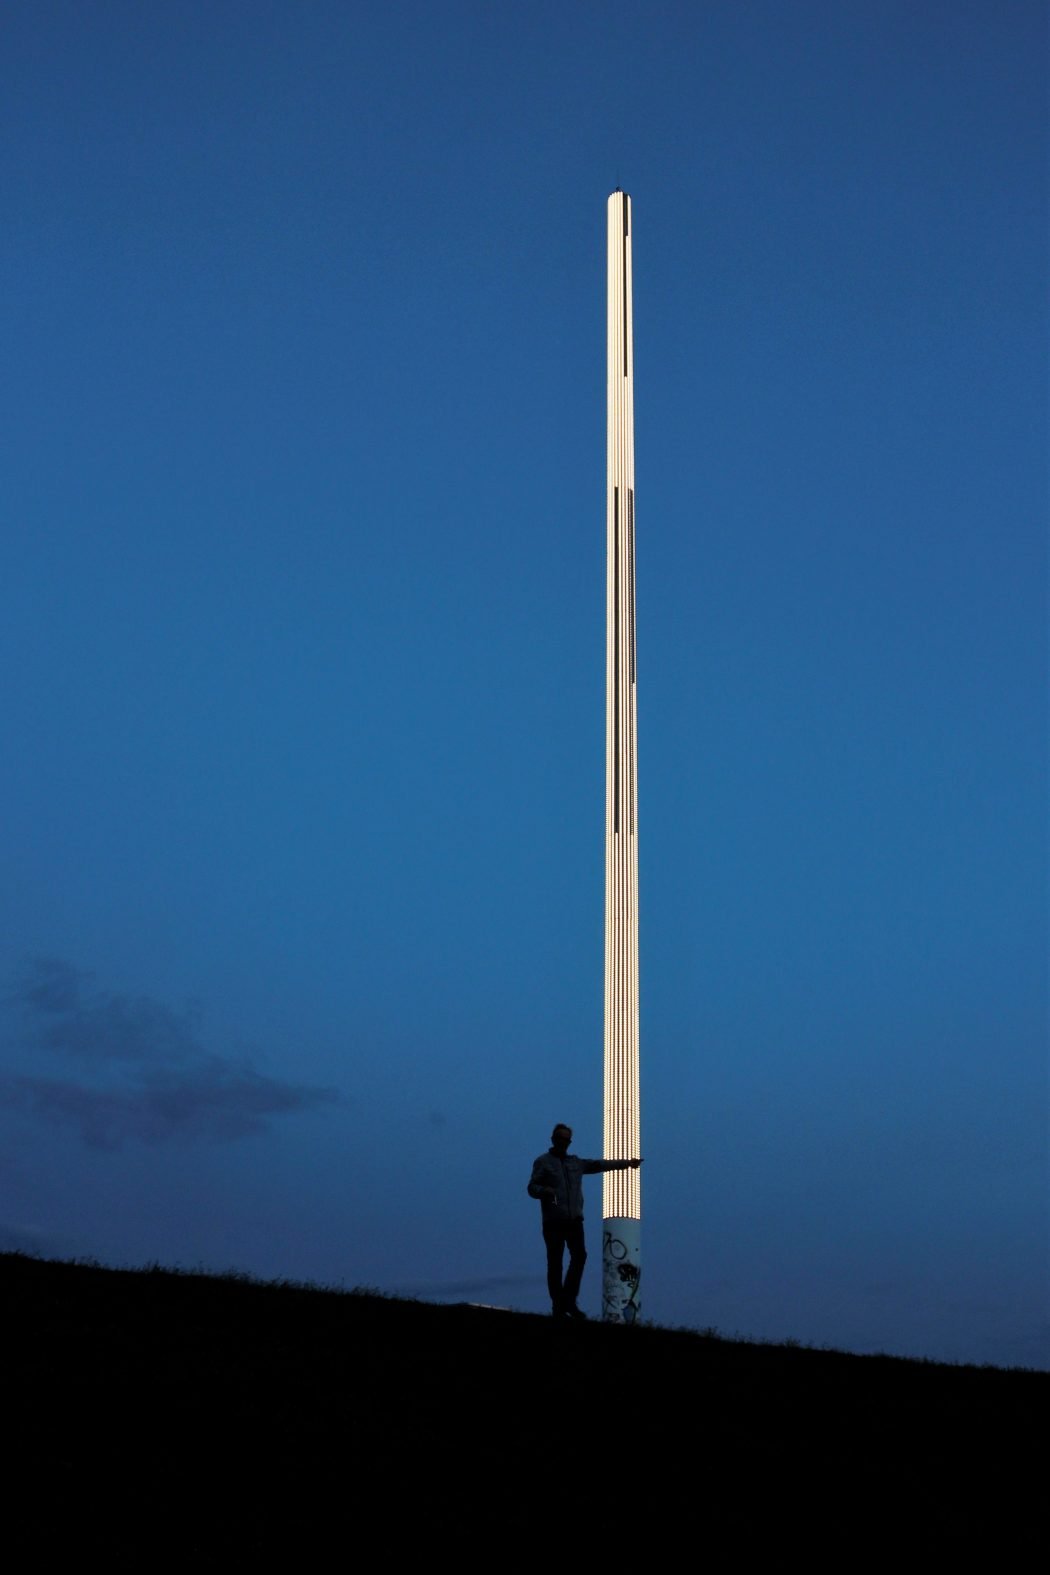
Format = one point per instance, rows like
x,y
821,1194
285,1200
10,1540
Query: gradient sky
x,y
302,624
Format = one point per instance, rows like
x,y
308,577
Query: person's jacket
x,y
565,1175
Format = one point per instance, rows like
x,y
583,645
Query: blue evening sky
x,y
302,625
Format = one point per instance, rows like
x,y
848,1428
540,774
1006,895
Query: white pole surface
x,y
621,1195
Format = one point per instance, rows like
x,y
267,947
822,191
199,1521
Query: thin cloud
x,y
47,984
495,1282
142,1074
100,1025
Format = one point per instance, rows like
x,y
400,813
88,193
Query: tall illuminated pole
x,y
621,1198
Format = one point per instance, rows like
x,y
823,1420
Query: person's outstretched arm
x,y
592,1166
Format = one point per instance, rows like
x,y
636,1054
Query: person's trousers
x,y
559,1234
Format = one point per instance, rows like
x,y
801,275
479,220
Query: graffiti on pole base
x,y
621,1272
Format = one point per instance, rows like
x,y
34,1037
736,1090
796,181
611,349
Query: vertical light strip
x,y
621,1190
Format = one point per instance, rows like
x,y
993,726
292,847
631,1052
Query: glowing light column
x,y
622,1201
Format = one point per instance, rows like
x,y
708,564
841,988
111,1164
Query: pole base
x,y
621,1270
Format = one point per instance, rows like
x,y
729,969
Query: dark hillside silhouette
x,y
157,1414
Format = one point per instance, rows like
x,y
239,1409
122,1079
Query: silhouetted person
x,y
557,1180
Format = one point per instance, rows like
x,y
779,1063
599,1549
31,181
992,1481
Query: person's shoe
x,y
572,1311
